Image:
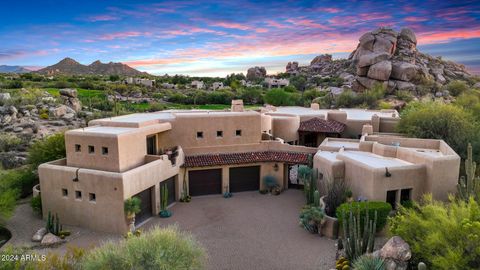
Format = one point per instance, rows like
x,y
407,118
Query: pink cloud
x,y
307,23
123,35
276,24
415,19
231,25
329,10
432,37
102,18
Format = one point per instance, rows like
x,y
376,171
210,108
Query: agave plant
x,y
368,262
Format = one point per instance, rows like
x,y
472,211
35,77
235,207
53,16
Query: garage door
x,y
204,182
145,206
244,178
170,184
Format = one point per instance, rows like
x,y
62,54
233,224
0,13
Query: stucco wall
x,y
185,128
286,127
105,214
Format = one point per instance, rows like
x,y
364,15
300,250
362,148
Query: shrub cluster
x,y
382,208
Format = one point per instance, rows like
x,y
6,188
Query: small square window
x,y
238,132
104,151
199,134
219,133
91,149
64,192
78,195
92,197
78,148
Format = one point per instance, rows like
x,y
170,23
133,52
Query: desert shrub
x,y
311,217
36,204
8,200
251,95
9,142
47,149
435,120
166,248
371,96
347,99
44,116
336,192
443,235
457,87
404,95
384,105
368,262
469,101
22,179
15,84
382,208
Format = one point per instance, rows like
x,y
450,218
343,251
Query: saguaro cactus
x,y
469,185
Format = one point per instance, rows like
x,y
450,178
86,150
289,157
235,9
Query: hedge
x,y
383,210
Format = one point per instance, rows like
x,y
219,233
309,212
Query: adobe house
x,y
212,152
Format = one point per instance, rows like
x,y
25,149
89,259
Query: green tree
x,y
457,87
279,97
47,149
435,120
299,82
443,235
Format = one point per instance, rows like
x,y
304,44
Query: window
x,y
219,134
92,197
238,132
199,134
104,151
405,195
78,195
64,192
78,148
91,149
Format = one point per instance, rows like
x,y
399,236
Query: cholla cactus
x,y
469,186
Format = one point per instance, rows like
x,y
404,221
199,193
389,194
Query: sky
x,y
216,38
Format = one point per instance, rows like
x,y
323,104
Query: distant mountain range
x,y
13,69
71,67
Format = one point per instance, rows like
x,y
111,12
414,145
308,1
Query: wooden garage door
x,y
145,206
170,184
244,178
204,182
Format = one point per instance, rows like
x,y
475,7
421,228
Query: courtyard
x,y
252,231
247,231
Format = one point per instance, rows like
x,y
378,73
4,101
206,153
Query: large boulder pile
x,y
391,59
255,73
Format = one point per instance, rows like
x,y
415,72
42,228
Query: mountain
x,y
13,69
387,57
71,67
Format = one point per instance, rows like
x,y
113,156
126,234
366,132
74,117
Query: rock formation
x,y
255,73
69,98
384,57
387,57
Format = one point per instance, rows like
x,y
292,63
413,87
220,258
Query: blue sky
x,y
215,38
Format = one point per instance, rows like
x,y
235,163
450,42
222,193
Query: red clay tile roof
x,y
321,125
242,158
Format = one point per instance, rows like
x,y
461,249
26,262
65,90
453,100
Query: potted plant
x,y
349,195
131,207
270,183
227,194
164,213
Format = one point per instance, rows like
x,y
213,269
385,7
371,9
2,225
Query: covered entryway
x,y
313,131
170,184
244,178
205,182
145,206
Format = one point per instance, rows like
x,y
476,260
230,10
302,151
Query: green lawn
x,y
82,93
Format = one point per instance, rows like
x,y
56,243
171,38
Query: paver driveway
x,y
252,231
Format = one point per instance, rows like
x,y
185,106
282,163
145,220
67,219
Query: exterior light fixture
x,y
387,173
76,176
275,167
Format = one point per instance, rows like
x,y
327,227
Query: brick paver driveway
x,y
252,231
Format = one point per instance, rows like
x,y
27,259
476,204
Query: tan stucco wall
x,y
106,214
185,128
286,127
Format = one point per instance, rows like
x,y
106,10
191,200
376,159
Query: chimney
x,y
237,105
315,106
367,129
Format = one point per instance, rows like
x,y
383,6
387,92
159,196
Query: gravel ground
x,y
252,231
248,231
